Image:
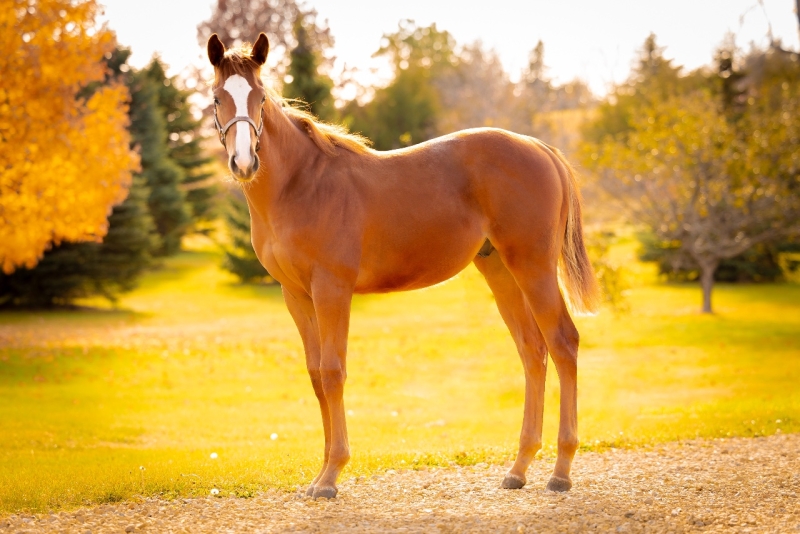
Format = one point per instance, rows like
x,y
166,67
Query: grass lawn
x,y
103,404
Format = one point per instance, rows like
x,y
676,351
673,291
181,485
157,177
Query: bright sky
x,y
595,40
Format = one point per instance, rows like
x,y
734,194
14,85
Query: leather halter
x,y
222,130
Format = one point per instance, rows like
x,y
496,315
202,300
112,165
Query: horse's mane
x,y
325,135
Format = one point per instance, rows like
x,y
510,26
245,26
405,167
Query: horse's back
x,y
429,208
509,180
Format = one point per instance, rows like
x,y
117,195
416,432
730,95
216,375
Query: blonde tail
x,y
576,274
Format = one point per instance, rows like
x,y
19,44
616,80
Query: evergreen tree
x,y
307,84
184,145
63,274
240,21
167,202
727,82
126,250
537,84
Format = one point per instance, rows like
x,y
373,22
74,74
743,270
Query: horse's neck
x,y
286,150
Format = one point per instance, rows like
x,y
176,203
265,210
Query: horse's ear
x,y
216,50
260,49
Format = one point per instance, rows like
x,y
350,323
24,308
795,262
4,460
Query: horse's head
x,y
239,98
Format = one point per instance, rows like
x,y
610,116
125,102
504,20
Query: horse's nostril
x,y
243,173
244,160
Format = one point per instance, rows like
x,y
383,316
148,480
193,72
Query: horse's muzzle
x,y
244,175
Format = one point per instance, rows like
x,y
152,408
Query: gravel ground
x,y
730,485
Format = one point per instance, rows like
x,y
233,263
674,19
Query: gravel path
x,y
730,485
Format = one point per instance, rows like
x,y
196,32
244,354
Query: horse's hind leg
x,y
302,311
539,282
533,353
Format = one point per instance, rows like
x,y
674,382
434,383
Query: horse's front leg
x,y
301,309
332,298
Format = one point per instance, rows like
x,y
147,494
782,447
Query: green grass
x,y
191,364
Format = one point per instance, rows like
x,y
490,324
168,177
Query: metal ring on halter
x,y
223,130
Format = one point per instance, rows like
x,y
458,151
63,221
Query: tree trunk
x,y
707,270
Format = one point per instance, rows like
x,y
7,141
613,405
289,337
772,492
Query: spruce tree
x,y
307,84
167,202
184,145
125,252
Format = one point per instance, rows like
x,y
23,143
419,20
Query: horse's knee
x,y
332,379
316,382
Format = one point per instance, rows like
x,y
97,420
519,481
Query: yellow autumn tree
x,y
65,158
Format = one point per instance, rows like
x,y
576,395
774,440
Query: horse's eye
x,y
263,99
216,101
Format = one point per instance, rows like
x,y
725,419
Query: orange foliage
x,y
64,160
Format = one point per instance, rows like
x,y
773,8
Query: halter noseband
x,y
223,130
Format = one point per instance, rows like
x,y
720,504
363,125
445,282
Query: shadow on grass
x,y
271,291
70,313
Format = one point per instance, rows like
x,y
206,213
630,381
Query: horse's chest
x,y
266,256
271,255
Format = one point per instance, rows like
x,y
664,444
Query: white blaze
x,y
239,89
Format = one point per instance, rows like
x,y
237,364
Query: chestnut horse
x,y
330,217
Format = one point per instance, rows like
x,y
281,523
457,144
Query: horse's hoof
x,y
512,482
559,484
325,492
310,491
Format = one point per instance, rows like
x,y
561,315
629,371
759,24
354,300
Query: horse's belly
x,y
421,263
407,279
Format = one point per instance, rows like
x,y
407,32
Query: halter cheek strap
x,y
222,130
